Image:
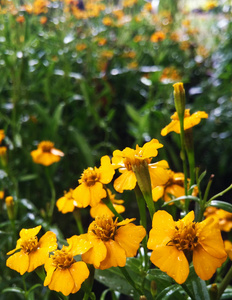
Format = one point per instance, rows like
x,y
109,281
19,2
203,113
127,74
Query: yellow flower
x,y
173,187
175,243
91,189
107,21
3,151
67,203
112,242
189,121
64,274
224,218
33,252
157,37
228,248
2,135
102,209
128,159
46,154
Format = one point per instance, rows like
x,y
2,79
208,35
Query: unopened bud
x,y
10,207
179,98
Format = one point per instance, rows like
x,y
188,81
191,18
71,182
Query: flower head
x,y
130,161
228,248
31,252
2,135
224,218
174,187
91,189
189,121
111,242
64,274
174,244
67,203
46,154
102,209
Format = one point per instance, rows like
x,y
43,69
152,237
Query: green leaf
x,y
221,204
182,198
227,294
103,295
168,293
201,177
27,177
14,290
196,285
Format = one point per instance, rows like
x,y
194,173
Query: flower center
x,y
185,237
46,146
30,245
104,228
90,176
62,259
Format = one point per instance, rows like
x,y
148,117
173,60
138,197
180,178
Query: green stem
x,y
130,280
187,290
191,160
77,217
53,194
183,156
203,202
109,204
220,194
225,282
143,220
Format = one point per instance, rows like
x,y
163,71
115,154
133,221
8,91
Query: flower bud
x,y
179,98
10,207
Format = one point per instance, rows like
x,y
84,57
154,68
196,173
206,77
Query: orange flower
x,y
224,218
102,209
175,243
43,20
189,121
46,154
20,19
33,252
67,203
157,37
2,135
107,21
228,248
91,189
129,159
111,242
64,274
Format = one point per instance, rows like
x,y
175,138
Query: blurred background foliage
x,y
97,77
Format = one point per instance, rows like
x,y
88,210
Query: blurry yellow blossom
x,y
43,20
102,209
9,201
2,135
189,121
118,13
107,21
138,38
175,243
67,203
46,154
91,185
157,37
128,159
170,74
40,6
3,150
210,4
33,252
20,19
224,218
81,47
132,65
112,242
129,3
228,248
64,273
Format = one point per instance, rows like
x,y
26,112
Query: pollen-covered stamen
x,y
90,176
185,237
62,259
104,227
30,245
46,146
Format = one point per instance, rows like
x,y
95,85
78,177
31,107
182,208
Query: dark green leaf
x,y
221,204
182,198
14,290
168,293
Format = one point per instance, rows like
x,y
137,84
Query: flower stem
x,y
109,204
225,282
143,220
203,202
220,194
53,194
77,217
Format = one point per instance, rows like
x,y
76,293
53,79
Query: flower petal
x,y
126,181
49,269
171,261
106,169
62,281
129,238
205,264
115,257
157,193
29,233
79,244
18,262
96,254
79,272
